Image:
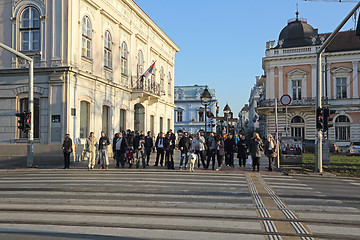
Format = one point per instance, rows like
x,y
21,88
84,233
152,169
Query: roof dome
x,y
297,34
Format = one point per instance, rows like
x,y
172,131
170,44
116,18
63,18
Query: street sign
x,y
285,99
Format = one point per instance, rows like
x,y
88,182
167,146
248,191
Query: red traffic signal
x,y
27,125
319,118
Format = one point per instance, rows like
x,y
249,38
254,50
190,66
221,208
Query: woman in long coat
x,y
67,149
256,146
270,150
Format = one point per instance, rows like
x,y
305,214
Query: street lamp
x,y
205,100
227,110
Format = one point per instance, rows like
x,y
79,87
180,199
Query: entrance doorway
x,y
139,117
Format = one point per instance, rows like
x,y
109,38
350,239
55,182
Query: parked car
x,y
353,149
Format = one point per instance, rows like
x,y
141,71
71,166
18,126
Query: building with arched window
x,y
290,68
87,68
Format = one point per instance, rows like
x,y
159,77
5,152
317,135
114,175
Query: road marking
x,y
297,226
268,225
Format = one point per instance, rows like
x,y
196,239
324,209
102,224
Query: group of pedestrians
x,y
135,148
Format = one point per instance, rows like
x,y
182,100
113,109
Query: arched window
x,y
107,49
124,58
162,82
297,127
169,84
342,128
30,29
86,38
140,64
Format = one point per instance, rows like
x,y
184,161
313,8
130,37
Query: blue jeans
x,y
186,156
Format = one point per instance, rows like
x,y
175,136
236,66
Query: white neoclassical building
x,y
88,58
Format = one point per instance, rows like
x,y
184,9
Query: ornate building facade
x,y
88,58
189,112
290,68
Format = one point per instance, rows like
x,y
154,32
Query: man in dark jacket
x,y
148,146
119,148
211,142
129,138
159,144
67,149
169,145
242,150
103,151
184,146
229,146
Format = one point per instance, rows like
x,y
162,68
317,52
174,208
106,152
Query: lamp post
x,y
227,110
205,100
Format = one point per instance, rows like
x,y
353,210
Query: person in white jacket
x,y
198,146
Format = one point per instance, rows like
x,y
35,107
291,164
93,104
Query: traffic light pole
x,y
30,144
319,134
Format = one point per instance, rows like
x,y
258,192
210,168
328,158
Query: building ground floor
x,y
67,100
300,121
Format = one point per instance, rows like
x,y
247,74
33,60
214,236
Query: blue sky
x,y
222,42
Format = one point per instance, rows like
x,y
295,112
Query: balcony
x,y
145,90
301,102
275,52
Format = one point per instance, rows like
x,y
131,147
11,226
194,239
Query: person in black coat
x,y
148,146
119,148
67,149
103,151
159,145
229,146
242,150
184,146
169,145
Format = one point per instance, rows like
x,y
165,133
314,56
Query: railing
x,y
146,85
300,102
290,51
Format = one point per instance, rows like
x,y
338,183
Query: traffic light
x,y
27,126
21,121
319,118
327,112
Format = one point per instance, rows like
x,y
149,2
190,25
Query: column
x,y
355,80
281,79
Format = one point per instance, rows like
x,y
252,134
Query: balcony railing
x,y
300,102
146,85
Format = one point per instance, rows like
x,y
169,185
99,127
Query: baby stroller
x,y
130,156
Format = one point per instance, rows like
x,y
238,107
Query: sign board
x,y
291,146
285,99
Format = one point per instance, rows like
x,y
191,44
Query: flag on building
x,y
149,70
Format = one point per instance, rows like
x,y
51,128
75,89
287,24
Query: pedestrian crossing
x,y
160,205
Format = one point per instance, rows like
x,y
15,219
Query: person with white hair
x,y
270,150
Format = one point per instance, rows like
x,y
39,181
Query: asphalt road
x,y
155,203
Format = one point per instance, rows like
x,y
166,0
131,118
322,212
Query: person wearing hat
x,y
103,151
270,149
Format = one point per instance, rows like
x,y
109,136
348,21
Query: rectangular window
x,y
152,124
169,124
84,119
161,124
201,116
341,88
122,119
105,119
296,89
179,117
